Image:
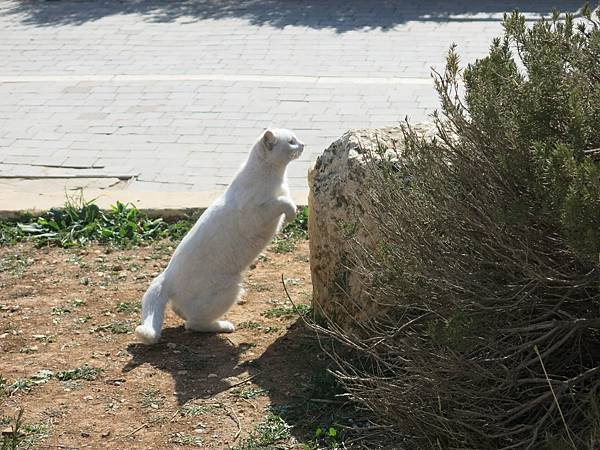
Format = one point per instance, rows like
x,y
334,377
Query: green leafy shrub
x,y
490,270
80,222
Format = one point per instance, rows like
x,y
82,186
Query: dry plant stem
x,y
250,378
555,398
144,425
231,413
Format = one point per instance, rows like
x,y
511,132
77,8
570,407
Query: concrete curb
x,y
14,204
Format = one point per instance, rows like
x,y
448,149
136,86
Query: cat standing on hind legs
x,y
203,279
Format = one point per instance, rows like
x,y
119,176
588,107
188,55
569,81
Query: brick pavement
x,y
170,95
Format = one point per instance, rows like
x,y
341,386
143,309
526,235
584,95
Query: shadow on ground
x,y
339,15
293,370
190,358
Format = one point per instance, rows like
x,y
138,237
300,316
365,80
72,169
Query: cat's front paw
x,y
289,209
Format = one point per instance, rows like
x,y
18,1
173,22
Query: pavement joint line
x,y
217,77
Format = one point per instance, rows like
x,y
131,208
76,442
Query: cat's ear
x,y
269,140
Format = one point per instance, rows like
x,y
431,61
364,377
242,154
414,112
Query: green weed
x,y
29,350
128,307
84,372
195,410
248,393
151,398
287,240
20,385
274,430
116,327
281,311
44,338
13,439
326,437
185,439
250,325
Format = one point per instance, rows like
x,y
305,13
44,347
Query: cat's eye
x,y
291,141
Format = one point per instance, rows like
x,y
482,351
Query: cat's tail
x,y
153,311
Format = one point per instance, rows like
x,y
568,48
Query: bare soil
x,y
62,309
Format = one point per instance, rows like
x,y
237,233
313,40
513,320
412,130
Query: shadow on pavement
x,y
339,15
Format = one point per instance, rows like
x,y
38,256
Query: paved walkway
x,y
169,96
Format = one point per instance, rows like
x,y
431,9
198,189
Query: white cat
x,y
203,278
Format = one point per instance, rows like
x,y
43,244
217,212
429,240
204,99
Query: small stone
x,y
171,345
85,434
105,434
213,375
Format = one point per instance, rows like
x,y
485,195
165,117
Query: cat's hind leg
x,y
205,318
153,311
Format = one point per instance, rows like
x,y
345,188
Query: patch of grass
x,y
179,229
121,327
116,327
281,311
15,263
13,439
77,303
299,226
42,376
84,319
248,393
250,325
286,241
28,350
283,244
80,222
268,434
67,309
60,310
84,372
45,338
195,410
128,307
258,287
11,328
151,398
34,434
185,439
20,385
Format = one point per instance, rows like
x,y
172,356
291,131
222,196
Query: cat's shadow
x,y
199,363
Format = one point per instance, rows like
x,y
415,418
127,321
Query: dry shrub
x,y
491,266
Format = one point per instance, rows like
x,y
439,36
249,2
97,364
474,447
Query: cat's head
x,y
281,146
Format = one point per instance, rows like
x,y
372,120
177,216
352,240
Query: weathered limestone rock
x,y
337,201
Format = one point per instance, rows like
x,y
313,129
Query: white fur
x,y
203,278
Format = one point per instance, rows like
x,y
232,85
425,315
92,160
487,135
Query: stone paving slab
x,y
172,94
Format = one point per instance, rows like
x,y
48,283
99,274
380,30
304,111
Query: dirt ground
x,y
67,309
